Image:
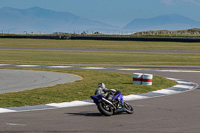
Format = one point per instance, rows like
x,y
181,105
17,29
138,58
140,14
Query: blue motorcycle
x,y
111,104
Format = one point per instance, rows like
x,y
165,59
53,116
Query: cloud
x,y
175,2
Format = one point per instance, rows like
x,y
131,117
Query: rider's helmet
x,y
101,85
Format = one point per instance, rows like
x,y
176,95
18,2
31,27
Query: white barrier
x,y
144,79
147,79
137,78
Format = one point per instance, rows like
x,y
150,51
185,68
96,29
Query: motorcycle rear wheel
x,y
105,109
129,108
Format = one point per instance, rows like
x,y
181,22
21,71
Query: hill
x,y
37,19
164,22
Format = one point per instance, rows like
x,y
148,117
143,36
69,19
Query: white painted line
x,y
90,68
71,104
165,91
58,67
130,69
93,68
134,97
173,71
2,110
28,66
15,124
183,86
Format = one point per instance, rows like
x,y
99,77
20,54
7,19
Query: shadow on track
x,y
86,114
93,114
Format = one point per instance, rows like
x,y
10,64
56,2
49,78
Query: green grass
x,y
81,89
99,44
73,57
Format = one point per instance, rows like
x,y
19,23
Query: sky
x,y
115,12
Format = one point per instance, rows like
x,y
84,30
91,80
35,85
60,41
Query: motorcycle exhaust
x,y
105,100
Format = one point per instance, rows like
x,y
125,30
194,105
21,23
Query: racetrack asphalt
x,y
19,80
169,114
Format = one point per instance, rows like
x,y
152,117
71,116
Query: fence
x,y
115,38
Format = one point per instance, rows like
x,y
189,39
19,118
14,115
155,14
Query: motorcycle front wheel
x,y
129,108
105,109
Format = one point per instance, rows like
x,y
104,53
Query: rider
x,y
103,90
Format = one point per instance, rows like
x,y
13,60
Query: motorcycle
x,y
111,104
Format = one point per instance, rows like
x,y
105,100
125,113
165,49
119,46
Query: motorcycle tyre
x,y
103,111
129,108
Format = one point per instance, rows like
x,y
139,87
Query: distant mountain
x,y
37,19
165,22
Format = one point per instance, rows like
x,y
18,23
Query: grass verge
x,y
29,57
99,44
81,89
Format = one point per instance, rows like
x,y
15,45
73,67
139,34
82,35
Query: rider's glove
x,y
113,90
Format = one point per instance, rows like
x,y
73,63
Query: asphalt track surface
x,y
19,80
169,114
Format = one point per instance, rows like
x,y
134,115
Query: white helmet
x,y
102,85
